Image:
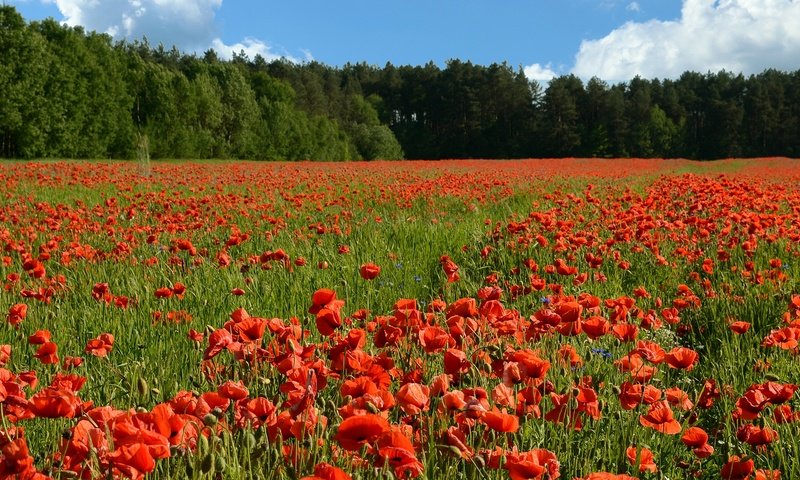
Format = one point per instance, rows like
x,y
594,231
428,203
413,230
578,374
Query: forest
x,y
69,93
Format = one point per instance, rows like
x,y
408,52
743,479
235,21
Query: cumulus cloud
x,y
189,24
736,35
539,73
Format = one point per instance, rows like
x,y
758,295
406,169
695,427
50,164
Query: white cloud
x,y
539,73
633,7
737,35
189,24
251,47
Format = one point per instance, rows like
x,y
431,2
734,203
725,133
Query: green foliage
x,y
68,93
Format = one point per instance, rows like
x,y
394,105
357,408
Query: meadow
x,y
540,319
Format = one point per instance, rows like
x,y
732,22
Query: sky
x,y
614,40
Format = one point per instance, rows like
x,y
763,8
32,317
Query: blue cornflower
x,y
602,351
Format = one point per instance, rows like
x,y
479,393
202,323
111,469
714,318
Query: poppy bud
x,y
772,377
219,464
372,408
454,450
249,440
141,386
210,419
207,464
202,443
217,412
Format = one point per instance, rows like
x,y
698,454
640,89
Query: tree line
x,y
68,93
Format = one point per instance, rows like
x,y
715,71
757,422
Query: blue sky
x,y
611,39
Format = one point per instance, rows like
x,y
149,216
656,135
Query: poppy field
x,y
540,319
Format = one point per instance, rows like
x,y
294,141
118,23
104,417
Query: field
x,y
540,319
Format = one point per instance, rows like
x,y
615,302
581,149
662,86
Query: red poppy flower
x,y
739,327
217,341
777,393
694,437
569,311
756,436
625,332
164,292
17,313
134,460
71,362
233,390
413,398
54,402
320,298
100,346
435,339
643,458
632,394
47,353
703,451
5,354
355,432
369,271
39,337
737,468
255,413
678,398
179,289
17,461
595,327
195,336
456,439
403,462
660,418
650,351
501,422
328,321
681,358
325,471
607,476
768,474
450,269
537,464
453,401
